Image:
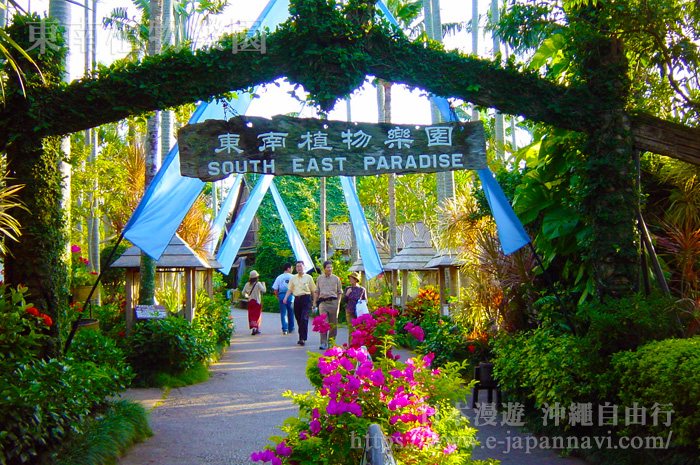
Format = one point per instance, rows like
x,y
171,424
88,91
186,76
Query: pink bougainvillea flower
x,y
449,449
420,437
283,449
320,325
315,426
262,456
74,249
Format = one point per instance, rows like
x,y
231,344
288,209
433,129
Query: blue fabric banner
x,y
170,195
218,224
365,242
510,229
164,205
295,240
232,244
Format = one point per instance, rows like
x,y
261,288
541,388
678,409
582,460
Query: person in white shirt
x,y
279,287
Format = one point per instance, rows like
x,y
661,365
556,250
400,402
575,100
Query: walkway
x,y
224,420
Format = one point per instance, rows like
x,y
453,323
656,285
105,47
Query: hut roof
x,y
413,257
176,255
445,258
359,266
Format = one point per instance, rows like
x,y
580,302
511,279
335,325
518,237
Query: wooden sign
x,y
285,145
150,312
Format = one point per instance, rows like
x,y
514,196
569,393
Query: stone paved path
x,y
224,420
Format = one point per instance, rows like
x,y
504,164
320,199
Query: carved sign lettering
x,y
215,149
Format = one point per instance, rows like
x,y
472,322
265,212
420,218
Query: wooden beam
x,y
652,134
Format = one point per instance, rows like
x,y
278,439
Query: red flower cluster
x,y
369,328
35,312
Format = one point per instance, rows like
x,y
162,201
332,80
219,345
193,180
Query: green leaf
x,y
558,223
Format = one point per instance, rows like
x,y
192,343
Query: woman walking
x,y
253,291
352,294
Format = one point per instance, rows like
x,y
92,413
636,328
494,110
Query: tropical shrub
x,y
113,279
170,345
543,367
444,339
43,400
81,273
613,325
426,304
412,403
376,331
112,319
213,319
93,347
23,329
270,303
663,376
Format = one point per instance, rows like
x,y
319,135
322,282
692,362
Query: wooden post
x,y
441,280
322,211
209,273
129,304
189,297
404,288
454,281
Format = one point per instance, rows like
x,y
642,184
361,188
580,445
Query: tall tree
x,y
147,289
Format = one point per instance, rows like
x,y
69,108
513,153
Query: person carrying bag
x,y
253,290
355,297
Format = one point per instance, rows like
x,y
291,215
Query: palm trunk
x,y
610,196
148,265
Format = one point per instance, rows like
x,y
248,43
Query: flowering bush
x,y
375,331
43,400
478,348
22,332
415,331
412,403
80,275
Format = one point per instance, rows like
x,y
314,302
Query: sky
x,y
408,106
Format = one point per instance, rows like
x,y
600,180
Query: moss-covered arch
x,y
325,47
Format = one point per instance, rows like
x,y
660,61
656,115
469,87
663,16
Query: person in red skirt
x,y
253,291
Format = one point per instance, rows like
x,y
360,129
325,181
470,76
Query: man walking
x,y
302,286
280,287
329,293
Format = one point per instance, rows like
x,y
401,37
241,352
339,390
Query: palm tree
x,y
147,289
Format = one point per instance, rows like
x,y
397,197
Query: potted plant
x,y
82,278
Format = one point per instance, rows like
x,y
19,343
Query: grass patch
x,y
197,374
104,438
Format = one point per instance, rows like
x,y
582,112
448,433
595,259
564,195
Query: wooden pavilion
x,y
413,257
447,263
178,257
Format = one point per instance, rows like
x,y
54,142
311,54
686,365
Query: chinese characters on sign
x,y
310,147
